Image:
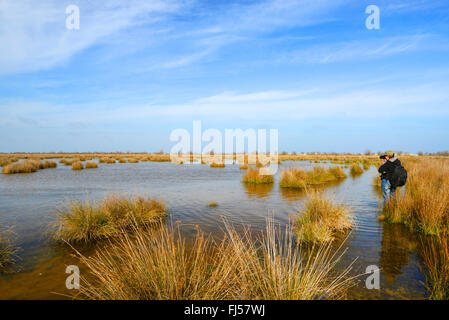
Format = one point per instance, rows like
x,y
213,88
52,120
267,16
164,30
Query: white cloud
x,y
33,34
364,49
377,103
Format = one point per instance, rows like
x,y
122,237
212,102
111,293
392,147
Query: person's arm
x,y
382,168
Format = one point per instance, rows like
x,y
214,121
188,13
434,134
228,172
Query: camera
x,y
383,157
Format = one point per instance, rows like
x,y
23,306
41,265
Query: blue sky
x,y
136,70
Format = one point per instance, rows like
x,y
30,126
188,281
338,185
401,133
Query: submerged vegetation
x,y
86,221
257,176
6,252
321,218
301,178
157,264
213,204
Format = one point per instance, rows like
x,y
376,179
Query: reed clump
x,y
355,169
27,166
366,164
159,157
424,204
256,176
377,182
88,221
5,161
91,165
107,160
243,166
217,165
69,162
159,265
78,165
296,177
321,218
434,254
49,164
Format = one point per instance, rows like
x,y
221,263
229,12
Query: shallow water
x,y
27,203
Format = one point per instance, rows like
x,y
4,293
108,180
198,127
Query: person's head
x,y
387,155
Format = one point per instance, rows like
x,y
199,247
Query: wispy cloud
x,y
364,49
33,34
380,102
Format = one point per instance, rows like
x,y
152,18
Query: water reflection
x,y
396,247
295,194
258,190
292,194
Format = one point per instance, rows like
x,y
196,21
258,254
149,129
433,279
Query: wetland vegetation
x,y
317,219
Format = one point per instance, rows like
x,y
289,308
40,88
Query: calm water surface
x,y
27,203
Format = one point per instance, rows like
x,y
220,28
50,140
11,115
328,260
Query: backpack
x,y
399,176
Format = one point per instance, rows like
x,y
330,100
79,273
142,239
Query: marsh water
x,y
28,203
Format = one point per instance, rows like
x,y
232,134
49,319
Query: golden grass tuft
x,y
424,204
300,178
91,165
49,164
243,166
107,160
88,221
356,169
253,175
5,161
434,253
78,165
366,164
159,265
26,166
377,182
69,162
159,158
217,165
321,218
